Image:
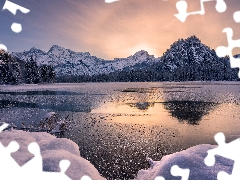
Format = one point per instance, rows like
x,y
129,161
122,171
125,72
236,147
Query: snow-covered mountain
x,y
67,62
186,60
190,51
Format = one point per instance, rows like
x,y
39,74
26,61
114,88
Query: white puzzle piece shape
x,y
223,51
33,169
177,171
228,150
182,9
12,7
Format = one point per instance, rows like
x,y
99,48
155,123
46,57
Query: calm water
x,y
118,124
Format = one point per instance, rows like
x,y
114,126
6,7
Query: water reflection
x,y
191,112
153,89
141,105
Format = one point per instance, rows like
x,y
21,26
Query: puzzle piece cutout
x,y
12,7
177,171
3,47
182,9
3,126
236,16
9,162
86,178
223,51
111,1
159,178
33,169
64,165
228,150
34,166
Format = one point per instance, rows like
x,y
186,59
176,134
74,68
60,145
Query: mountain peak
x,y
141,53
56,47
193,38
34,50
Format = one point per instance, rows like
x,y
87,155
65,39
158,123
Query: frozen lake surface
x,y
119,124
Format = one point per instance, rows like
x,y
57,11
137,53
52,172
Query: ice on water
x,y
115,139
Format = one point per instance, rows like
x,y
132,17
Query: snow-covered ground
x,y
53,150
193,159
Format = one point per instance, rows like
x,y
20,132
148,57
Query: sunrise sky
x,y
114,30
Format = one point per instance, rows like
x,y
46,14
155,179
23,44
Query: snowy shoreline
x,y
54,150
191,158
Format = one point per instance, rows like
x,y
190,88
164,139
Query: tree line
x,y
186,60
212,70
16,71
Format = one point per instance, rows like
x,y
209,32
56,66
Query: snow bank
x,y
53,150
193,159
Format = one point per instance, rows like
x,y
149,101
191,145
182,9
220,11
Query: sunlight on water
x,y
136,113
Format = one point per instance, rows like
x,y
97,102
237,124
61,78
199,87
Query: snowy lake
x,y
118,124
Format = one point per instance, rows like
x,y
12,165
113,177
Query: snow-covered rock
x,y
53,150
193,159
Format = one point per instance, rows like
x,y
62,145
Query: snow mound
x,y
193,159
53,150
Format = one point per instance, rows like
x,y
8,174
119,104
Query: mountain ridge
x,y
67,62
184,56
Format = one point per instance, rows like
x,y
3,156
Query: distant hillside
x,y
186,60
